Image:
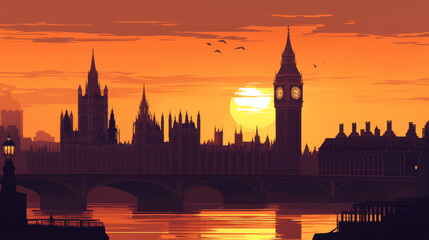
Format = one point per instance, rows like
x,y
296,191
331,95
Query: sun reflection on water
x,y
282,221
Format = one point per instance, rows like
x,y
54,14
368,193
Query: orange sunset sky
x,y
372,61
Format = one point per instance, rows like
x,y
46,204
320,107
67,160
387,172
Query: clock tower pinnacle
x,y
288,98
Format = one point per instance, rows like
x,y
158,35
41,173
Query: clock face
x,y
295,93
279,93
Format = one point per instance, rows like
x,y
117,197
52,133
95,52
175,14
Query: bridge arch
x,y
55,195
233,192
106,194
120,182
297,191
152,195
358,192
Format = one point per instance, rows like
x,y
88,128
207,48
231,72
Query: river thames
x,y
274,221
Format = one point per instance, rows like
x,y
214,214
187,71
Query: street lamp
x,y
8,184
8,148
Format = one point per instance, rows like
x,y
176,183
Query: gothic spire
x,y
288,49
93,86
144,106
93,63
288,65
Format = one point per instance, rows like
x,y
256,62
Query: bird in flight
x,y
218,51
315,66
241,48
209,44
222,41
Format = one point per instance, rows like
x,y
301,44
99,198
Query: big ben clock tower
x,y
288,94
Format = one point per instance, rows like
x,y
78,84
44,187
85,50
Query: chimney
x,y
368,129
362,132
341,131
411,130
354,132
389,131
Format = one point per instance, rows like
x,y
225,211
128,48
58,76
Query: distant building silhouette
x,y
94,146
370,154
13,118
43,136
309,161
146,131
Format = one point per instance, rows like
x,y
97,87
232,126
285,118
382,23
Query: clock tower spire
x,y
288,98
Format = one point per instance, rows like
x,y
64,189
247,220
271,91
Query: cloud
x,y
418,98
412,43
420,81
302,16
71,39
139,18
36,74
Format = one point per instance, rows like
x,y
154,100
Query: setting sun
x,y
251,107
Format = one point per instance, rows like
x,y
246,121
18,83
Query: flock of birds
x,y
223,41
239,48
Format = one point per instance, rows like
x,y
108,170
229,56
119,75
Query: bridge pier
x,y
245,200
159,203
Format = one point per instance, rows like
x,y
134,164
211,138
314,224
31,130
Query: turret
x,y
61,124
198,123
112,130
71,119
257,138
162,126
170,123
144,105
377,131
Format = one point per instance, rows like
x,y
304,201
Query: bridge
x,y
166,192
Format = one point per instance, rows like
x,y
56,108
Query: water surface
x,y
275,221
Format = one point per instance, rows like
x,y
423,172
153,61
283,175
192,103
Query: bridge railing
x,y
65,222
369,212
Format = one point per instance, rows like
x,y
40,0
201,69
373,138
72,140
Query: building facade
x,y
371,154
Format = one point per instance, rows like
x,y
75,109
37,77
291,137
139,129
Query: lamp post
x,y
8,184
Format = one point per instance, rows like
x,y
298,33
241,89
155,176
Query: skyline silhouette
x,y
361,66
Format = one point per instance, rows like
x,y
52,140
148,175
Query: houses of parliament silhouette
x,y
94,147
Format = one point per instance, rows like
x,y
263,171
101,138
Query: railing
x,y
65,222
369,212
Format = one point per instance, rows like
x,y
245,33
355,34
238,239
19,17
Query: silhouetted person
x,y
51,219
